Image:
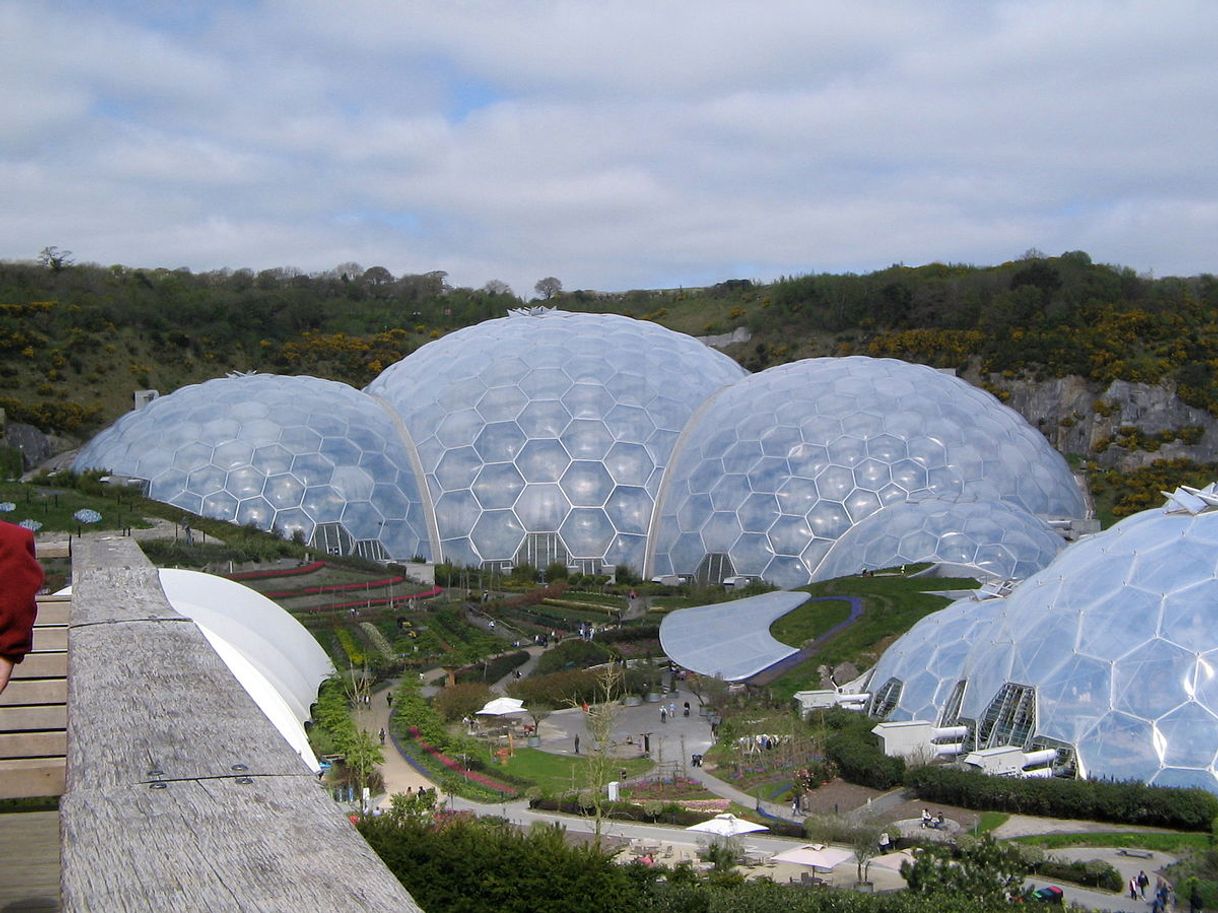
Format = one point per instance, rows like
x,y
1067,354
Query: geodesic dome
x,y
981,538
291,454
543,435
778,467
916,675
1111,651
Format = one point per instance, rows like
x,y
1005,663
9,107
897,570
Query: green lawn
x,y
991,820
1162,841
809,621
555,774
54,507
892,604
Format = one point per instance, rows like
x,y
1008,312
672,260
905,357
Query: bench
x,y
1139,854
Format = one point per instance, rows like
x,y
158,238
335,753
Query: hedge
x,y
1092,800
494,669
859,759
1093,874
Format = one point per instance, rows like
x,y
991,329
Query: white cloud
x,y
616,145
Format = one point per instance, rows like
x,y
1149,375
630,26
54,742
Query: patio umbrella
x,y
816,855
502,706
726,825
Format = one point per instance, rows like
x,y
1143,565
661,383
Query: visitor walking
x,y
577,743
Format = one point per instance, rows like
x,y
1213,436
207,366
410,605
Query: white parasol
x,y
816,855
502,706
727,825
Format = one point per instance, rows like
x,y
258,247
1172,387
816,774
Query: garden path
x,y
399,775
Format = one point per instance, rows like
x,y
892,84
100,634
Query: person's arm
x,y
20,578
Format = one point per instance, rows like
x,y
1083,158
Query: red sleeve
x,y
20,578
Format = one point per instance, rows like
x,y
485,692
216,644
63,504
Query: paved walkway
x,y
400,776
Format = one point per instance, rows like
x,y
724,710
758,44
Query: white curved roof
x,y
268,651
730,640
273,642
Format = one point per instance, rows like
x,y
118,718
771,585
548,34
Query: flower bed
x,y
455,766
705,805
335,588
372,603
278,572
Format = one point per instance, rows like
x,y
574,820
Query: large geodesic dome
x,y
778,467
985,538
1110,653
916,676
595,440
543,435
291,454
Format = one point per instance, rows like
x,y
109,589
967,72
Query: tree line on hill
x,y
64,326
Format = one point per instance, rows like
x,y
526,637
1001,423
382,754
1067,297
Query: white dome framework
x,y
544,435
597,441
1110,654
780,467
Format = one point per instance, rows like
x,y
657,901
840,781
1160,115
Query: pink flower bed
x,y
379,601
278,572
455,766
335,588
705,805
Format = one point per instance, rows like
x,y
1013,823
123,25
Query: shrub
x,y
558,689
1094,873
1095,800
572,654
857,755
491,670
458,701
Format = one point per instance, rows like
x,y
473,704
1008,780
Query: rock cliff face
x,y
35,447
1125,426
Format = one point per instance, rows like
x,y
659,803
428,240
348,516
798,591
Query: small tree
x,y
862,837
548,287
600,718
986,870
362,756
55,259
538,711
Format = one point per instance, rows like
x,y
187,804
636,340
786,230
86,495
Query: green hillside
x,y
75,341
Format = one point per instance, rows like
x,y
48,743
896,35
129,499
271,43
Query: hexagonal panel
x,y
498,486
587,483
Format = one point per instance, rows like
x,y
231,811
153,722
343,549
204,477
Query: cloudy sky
x,y
613,145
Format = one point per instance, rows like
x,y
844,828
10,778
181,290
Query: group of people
x,y
935,822
1164,895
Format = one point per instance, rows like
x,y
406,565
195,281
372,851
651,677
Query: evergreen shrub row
x,y
856,751
1094,873
1093,800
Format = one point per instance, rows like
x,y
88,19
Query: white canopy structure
x,y
729,639
502,706
726,825
268,651
816,855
